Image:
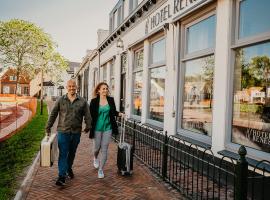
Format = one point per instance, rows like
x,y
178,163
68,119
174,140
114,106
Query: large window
x,y
254,17
158,52
137,83
125,9
157,80
133,5
251,96
26,90
198,65
201,36
115,20
12,78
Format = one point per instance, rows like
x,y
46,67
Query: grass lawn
x,y
18,152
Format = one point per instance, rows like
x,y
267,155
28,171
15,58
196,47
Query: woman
x,y
103,113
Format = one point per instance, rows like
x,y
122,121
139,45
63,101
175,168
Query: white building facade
x,y
195,68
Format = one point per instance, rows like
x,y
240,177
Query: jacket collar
x,y
77,96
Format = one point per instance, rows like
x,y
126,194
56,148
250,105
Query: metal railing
x,y
194,170
15,113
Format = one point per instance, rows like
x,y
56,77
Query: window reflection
x,y
201,35
157,87
139,59
105,73
158,51
137,93
198,95
251,108
254,17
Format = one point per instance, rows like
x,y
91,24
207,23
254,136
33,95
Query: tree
x,y
20,47
208,75
50,63
260,69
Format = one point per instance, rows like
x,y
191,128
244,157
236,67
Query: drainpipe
x,y
98,66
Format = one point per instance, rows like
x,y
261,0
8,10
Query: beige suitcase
x,y
48,150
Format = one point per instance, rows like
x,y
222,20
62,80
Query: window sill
x,y
193,141
153,126
251,162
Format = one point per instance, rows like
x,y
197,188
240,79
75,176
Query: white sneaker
x,y
100,173
96,163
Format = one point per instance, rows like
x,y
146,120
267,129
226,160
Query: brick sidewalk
x,y
86,185
141,185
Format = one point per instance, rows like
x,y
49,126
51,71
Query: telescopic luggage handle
x,y
123,127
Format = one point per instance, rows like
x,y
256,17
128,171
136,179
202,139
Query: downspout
x,y
99,66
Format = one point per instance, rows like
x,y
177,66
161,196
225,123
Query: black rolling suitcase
x,y
124,153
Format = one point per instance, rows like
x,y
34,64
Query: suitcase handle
x,y
123,128
47,135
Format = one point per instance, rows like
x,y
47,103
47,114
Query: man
x,y
71,109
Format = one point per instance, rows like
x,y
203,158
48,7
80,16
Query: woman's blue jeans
x,y
67,144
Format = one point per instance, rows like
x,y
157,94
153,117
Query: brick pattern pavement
x,y
86,185
142,185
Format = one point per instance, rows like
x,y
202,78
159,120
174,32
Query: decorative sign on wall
x,y
168,11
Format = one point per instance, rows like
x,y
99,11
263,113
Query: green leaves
x,y
22,46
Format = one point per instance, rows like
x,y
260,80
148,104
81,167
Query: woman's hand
x,y
121,114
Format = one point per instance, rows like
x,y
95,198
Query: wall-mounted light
x,y
120,43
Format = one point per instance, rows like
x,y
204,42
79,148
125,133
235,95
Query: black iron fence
x,y
194,170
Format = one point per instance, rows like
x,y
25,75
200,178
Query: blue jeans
x,y
67,144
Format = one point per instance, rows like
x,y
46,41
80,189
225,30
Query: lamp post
x,y
43,49
120,43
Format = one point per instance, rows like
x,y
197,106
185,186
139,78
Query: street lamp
x,y
120,44
43,49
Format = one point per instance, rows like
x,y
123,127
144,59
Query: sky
x,y
73,24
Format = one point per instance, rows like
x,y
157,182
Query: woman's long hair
x,y
97,88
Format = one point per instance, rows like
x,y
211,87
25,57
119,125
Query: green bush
x,y
251,108
18,152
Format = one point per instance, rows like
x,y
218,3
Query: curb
x,y
27,180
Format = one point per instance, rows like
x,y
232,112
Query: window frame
x,y
149,68
26,90
200,53
183,58
134,71
161,63
246,41
236,44
12,78
114,19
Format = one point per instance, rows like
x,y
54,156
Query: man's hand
x,y
121,114
86,130
48,132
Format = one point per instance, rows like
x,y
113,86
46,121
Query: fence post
x,y
165,157
241,175
133,135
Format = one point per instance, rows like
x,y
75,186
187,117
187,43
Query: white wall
x,y
136,35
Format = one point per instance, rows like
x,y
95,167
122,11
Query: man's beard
x,y
72,93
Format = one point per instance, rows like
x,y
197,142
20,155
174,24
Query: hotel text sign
x,y
166,12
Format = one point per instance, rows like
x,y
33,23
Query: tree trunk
x,y
17,82
41,93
